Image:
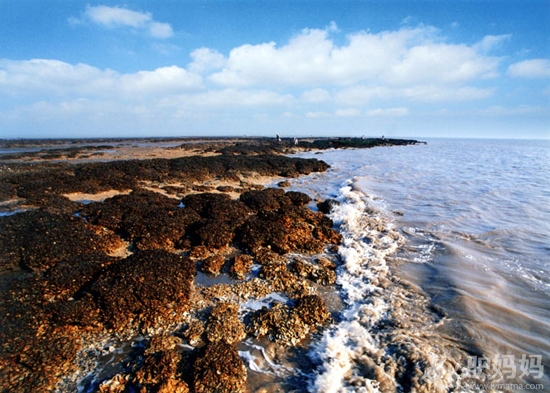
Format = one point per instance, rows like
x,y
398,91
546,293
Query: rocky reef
x,y
158,269
76,274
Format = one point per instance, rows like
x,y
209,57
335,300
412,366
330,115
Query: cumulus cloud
x,y
54,77
114,17
534,68
163,80
402,57
313,75
39,76
205,59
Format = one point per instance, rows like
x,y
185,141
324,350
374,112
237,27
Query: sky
x,y
408,68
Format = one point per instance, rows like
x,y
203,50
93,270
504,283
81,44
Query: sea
x,y
444,269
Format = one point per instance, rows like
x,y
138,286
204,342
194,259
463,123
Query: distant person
x,y
295,141
278,139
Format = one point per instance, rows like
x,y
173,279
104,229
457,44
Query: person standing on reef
x,y
278,139
296,141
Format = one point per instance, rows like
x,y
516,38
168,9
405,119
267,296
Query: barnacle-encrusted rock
x,y
220,217
281,279
241,266
150,220
312,310
31,339
289,325
327,205
66,291
321,274
290,228
162,343
284,183
144,289
116,384
213,264
159,369
38,240
194,332
64,280
265,200
219,369
298,198
224,324
213,234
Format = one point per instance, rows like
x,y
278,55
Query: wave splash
x,y
387,339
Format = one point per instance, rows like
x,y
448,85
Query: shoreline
x,y
115,249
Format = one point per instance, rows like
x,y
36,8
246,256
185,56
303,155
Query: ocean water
x,y
445,271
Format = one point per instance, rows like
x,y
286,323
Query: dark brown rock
x,y
289,325
284,184
319,274
298,198
268,199
145,289
213,265
241,266
220,217
37,240
290,228
224,324
327,205
70,276
149,219
219,370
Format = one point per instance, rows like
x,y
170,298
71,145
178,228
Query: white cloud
x,y
390,112
431,93
40,77
316,96
160,30
390,76
205,59
348,112
403,57
114,17
489,42
164,80
363,95
229,98
534,68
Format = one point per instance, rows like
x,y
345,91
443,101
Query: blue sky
x,y
71,68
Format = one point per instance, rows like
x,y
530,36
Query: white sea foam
x,y
375,347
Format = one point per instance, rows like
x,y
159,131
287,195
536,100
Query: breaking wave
x,y
388,337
